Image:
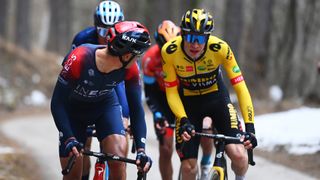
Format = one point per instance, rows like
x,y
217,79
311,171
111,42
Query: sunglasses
x,y
102,31
192,38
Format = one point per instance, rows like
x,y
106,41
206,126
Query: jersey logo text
x,y
171,48
236,80
215,47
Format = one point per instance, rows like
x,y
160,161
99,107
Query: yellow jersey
x,y
199,77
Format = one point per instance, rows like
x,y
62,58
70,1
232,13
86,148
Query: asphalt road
x,y
38,135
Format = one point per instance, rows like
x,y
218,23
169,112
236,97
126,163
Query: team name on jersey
x,y
82,91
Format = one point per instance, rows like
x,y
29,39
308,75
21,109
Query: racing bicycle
x,y
219,168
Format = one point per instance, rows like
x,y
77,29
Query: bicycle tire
x,y
224,165
214,175
180,175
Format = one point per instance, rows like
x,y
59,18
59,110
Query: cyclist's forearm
x,y
245,102
175,102
152,92
137,115
59,113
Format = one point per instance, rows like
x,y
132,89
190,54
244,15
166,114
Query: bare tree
x,y
233,24
23,33
3,17
60,26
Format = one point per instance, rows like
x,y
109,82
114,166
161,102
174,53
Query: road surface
x,y
38,134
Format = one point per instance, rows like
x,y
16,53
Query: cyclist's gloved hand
x,y
250,138
144,162
186,126
73,146
160,123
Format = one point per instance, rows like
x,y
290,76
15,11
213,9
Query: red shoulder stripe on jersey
x,y
170,84
132,73
236,80
73,66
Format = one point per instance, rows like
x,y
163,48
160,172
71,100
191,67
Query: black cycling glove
x,y
185,126
72,142
250,135
144,159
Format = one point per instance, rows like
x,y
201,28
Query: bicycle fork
x,y
100,170
220,163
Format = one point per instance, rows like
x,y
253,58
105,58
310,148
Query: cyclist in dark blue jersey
x,y
84,94
106,14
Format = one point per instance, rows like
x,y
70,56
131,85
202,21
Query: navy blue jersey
x,y
81,85
89,35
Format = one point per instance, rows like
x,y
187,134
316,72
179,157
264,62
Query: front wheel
x,y
214,175
180,175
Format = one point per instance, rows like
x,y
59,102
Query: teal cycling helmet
x,y
107,13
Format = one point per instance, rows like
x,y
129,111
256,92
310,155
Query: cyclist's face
x,y
194,45
130,57
102,32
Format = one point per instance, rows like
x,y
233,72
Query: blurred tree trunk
x,y
155,12
23,34
256,50
233,24
294,48
3,17
60,26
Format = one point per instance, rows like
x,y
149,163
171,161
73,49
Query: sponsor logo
x,y
236,80
219,155
201,68
115,157
180,67
236,69
179,139
60,134
189,68
143,140
215,47
123,132
90,83
130,39
91,72
233,116
209,63
82,91
229,54
171,48
170,84
100,170
201,82
113,84
69,62
250,113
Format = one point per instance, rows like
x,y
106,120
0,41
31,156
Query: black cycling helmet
x,y
128,37
166,31
107,13
197,21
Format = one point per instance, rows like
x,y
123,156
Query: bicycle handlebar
x,y
70,164
108,156
103,156
221,137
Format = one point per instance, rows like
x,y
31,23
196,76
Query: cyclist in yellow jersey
x,y
194,60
